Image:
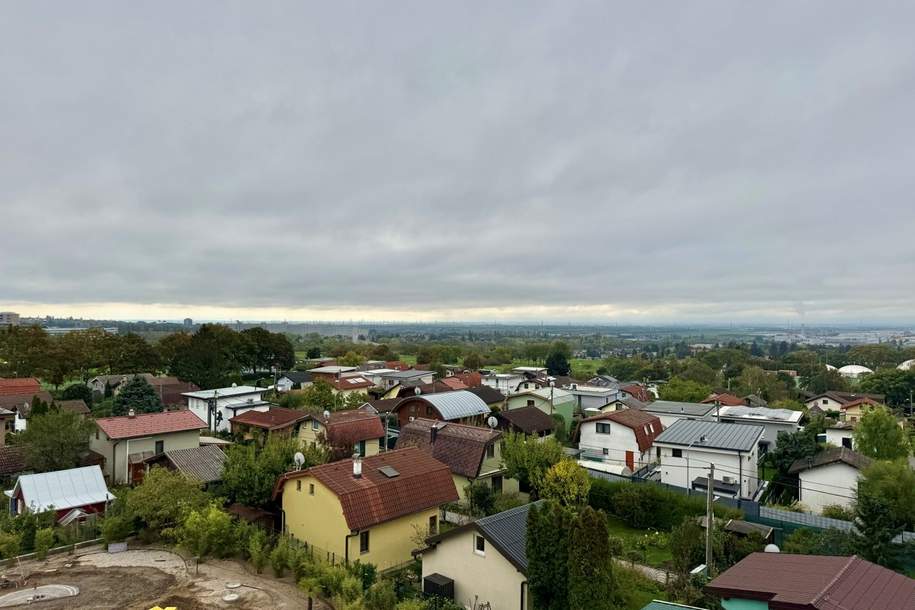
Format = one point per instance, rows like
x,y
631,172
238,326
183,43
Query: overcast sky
x,y
470,160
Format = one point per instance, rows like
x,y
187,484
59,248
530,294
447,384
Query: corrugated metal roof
x,y
762,414
733,437
671,407
63,489
204,463
457,404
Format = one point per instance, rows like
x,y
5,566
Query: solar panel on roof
x,y
389,471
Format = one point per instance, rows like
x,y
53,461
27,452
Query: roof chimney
x,y
433,433
357,466
131,413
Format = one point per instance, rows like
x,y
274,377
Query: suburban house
x,y
293,380
491,396
471,379
773,420
833,401
529,421
19,386
591,397
853,411
409,378
329,372
350,384
278,422
127,441
366,509
459,406
12,462
619,404
672,411
217,407
811,582
531,371
78,406
548,400
829,478
345,433
73,494
7,424
619,437
482,562
473,454
504,382
840,434
204,463
725,399
638,391
689,447
169,389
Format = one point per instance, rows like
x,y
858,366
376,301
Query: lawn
x,y
636,590
653,545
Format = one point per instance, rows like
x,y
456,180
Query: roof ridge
x,y
851,560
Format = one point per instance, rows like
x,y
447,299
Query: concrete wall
x,y
116,454
820,487
318,520
481,578
727,463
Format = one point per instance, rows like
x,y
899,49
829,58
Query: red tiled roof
x,y
397,365
422,483
635,421
148,424
346,428
351,383
725,400
15,403
274,418
471,379
638,391
19,386
460,446
817,582
454,383
859,403
12,459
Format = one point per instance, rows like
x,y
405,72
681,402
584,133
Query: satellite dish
x,y
234,385
417,390
771,548
491,421
299,459
326,414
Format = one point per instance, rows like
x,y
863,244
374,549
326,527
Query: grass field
x,y
656,556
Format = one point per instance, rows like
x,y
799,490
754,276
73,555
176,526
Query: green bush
x,y
380,596
257,550
44,539
116,528
10,543
279,558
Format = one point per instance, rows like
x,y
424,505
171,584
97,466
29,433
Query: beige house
x,y
127,442
472,453
483,562
345,433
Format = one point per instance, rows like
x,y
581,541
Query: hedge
x,y
650,506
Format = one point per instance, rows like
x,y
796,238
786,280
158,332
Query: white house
x,y
481,564
589,396
834,401
688,448
773,420
293,380
504,382
534,371
408,378
619,437
672,411
217,407
840,434
829,478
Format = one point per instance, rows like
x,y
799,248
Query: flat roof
x,y
332,370
672,407
786,416
238,390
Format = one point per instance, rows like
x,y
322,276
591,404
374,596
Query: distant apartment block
x,y
9,318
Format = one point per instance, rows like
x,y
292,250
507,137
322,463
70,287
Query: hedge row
x,y
645,505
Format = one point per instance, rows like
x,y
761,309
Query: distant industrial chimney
x,y
357,466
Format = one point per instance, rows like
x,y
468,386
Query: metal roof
x,y
63,489
204,463
457,404
408,374
732,437
239,390
688,409
762,414
507,531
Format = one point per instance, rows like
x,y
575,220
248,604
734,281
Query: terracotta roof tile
x,y
19,386
274,418
346,428
12,459
638,391
454,383
422,483
77,406
148,424
461,447
635,420
724,399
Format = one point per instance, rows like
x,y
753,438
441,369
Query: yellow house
x,y
472,453
344,433
371,510
853,411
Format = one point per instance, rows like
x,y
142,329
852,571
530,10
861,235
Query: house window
x,y
658,452
497,484
315,425
846,442
433,525
311,489
603,428
606,451
825,402
96,434
479,546
298,485
360,448
491,450
160,447
530,402
677,453
364,542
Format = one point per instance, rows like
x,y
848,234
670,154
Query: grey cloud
x,y
717,160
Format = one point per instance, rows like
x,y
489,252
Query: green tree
x,y
56,440
755,380
318,397
896,385
163,499
44,540
137,394
821,542
77,391
590,564
548,556
212,357
681,390
878,436
790,448
566,483
557,361
877,529
207,532
250,471
699,372
10,543
258,549
473,361
824,380
131,353
351,358
895,483
527,460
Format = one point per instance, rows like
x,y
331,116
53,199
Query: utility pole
x,y
709,521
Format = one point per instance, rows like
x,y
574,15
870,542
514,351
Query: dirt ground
x,y
141,579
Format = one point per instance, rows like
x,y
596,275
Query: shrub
x,y
837,511
44,538
380,596
207,531
10,543
279,558
116,528
257,550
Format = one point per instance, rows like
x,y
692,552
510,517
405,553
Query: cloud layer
x,y
519,161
